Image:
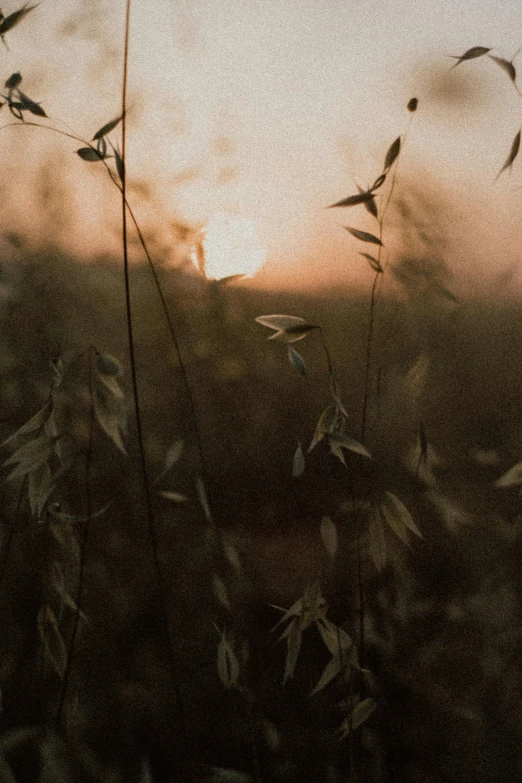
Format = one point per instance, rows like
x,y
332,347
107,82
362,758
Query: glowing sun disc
x,y
231,247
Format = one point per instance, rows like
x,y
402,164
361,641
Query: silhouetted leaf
x,y
120,165
16,110
13,19
289,328
412,104
378,182
506,66
374,262
30,105
369,204
329,536
515,146
89,154
101,147
392,154
297,361
105,129
350,201
13,81
470,54
298,464
363,235
55,651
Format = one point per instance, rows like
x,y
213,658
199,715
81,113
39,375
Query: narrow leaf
x,y
378,182
325,425
294,639
329,536
203,499
349,443
512,478
176,497
105,129
35,423
54,647
506,66
360,715
40,485
350,201
374,262
364,236
219,589
30,105
89,154
298,464
227,663
280,322
331,670
108,365
515,146
392,154
13,19
398,509
108,420
297,361
470,54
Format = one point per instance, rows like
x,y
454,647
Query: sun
x,y
231,246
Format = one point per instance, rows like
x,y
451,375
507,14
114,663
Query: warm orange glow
x,y
231,247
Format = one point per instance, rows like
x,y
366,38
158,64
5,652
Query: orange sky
x,y
272,110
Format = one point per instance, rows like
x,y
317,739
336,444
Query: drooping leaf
x,y
335,638
35,423
513,152
392,154
55,651
470,54
512,478
506,65
351,201
281,322
227,663
101,147
298,463
203,498
173,454
329,536
324,426
376,541
364,236
331,670
417,374
232,555
27,104
374,262
360,714
120,164
89,154
13,19
40,485
108,419
13,81
351,444
105,129
108,365
395,509
293,639
56,365
297,361
58,582
219,589
412,104
31,455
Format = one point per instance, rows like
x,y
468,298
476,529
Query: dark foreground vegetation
x,y
442,620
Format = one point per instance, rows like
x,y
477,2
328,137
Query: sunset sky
x,y
270,111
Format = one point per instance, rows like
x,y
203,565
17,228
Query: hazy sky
x,y
272,109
